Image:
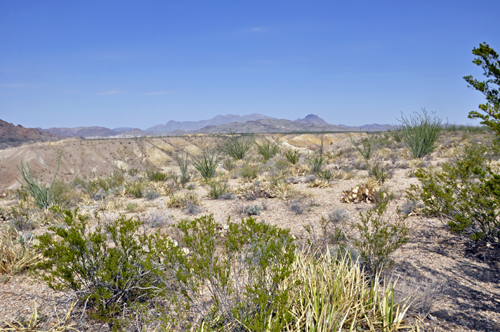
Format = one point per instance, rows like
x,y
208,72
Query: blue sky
x,y
142,63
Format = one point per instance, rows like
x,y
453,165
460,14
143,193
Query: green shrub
x,y
244,279
465,192
326,175
156,176
316,162
217,188
236,145
420,133
366,150
379,238
292,156
206,164
282,164
380,172
40,193
63,194
249,172
110,268
253,210
267,149
130,207
115,180
133,171
135,189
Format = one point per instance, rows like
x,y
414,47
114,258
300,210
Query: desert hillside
x,y
90,158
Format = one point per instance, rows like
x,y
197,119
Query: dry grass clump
x,y
253,191
181,199
334,295
319,183
342,174
37,324
16,252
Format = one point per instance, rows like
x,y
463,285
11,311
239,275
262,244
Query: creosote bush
x,y
243,276
217,188
366,148
106,278
466,193
244,280
379,237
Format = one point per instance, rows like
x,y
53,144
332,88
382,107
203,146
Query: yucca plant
x,y
366,148
267,149
42,195
206,164
316,162
292,156
236,145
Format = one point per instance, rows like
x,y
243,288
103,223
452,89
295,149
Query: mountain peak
x,y
312,119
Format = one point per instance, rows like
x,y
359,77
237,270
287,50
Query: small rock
x,y
80,188
27,236
99,195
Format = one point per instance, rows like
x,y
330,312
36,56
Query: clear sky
x,y
141,63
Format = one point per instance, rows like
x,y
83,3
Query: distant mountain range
x,y
196,125
11,136
252,123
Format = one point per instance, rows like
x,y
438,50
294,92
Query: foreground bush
x,y
379,237
244,280
465,192
245,276
109,268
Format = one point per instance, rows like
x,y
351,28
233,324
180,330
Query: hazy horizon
x,y
139,64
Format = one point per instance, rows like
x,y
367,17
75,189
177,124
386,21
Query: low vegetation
x,y
137,253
